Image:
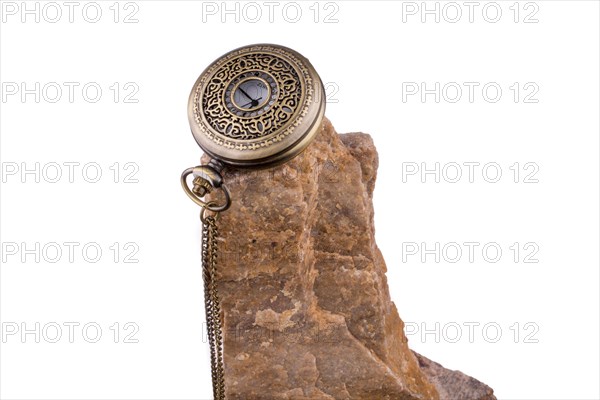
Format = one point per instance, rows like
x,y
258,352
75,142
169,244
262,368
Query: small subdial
x,y
251,94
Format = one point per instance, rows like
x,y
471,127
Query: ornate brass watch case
x,y
266,134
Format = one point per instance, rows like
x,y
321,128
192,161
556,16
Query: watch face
x,y
250,94
256,106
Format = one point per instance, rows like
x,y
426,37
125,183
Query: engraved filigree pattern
x,y
294,94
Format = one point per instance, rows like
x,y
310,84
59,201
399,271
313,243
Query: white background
x,y
368,55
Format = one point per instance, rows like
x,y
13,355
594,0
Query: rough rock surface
x,y
306,307
454,385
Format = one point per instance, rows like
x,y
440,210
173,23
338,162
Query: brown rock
x,y
306,307
454,385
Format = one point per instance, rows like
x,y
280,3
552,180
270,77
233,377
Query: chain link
x,y
212,304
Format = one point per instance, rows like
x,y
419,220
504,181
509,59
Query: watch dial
x,y
250,94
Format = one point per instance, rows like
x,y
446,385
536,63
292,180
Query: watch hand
x,y
246,94
253,102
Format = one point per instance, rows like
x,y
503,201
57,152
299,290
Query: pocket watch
x,y
254,107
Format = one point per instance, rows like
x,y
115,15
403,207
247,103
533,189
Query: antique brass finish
x,y
205,179
262,135
212,304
